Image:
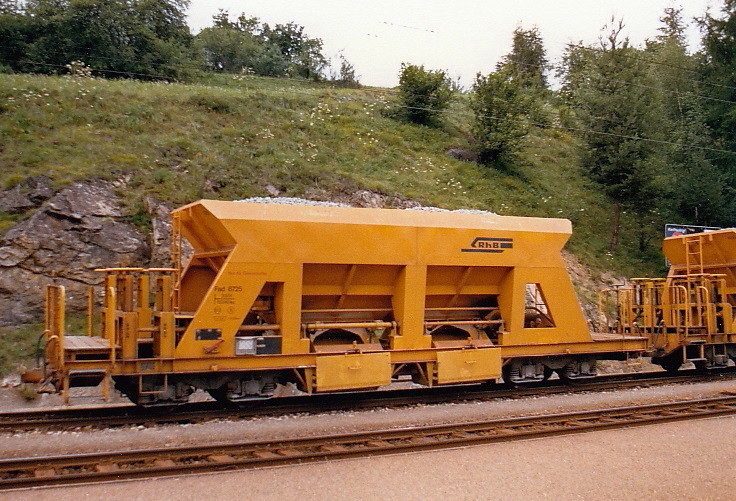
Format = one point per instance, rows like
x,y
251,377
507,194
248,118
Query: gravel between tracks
x,y
662,462
651,461
54,442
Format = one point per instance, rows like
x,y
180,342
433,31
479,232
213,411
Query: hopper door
x,y
536,312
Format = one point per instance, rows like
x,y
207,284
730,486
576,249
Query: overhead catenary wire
x,y
634,84
549,65
629,56
588,131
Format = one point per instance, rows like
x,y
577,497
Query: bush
x,y
499,106
424,94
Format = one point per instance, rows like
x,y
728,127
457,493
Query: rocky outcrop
x,y
160,238
79,229
26,195
82,228
463,154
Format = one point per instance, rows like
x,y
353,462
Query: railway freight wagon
x,y
689,315
334,299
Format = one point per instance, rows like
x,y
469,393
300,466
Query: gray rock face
x,y
463,154
160,233
26,195
82,228
76,231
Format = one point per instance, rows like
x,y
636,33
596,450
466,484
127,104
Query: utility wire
x,y
500,119
662,89
587,131
100,70
659,63
505,59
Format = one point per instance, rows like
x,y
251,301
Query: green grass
x,y
19,347
22,344
229,137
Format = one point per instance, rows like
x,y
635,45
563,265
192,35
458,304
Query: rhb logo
x,y
492,245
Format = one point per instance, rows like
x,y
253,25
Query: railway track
x,y
144,463
129,415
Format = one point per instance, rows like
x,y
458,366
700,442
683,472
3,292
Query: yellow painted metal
x,y
165,341
414,284
692,306
164,294
462,366
54,330
90,309
407,301
710,253
143,304
400,243
129,335
349,371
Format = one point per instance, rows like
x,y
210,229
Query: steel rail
x,y
130,415
126,464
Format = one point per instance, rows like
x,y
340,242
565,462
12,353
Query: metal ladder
x,y
694,255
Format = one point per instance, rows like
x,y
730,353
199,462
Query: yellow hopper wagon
x,y
689,315
335,299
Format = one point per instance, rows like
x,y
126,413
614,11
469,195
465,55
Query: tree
x,y
527,61
499,107
672,68
424,94
284,50
304,53
344,76
13,33
573,70
231,46
616,104
141,38
698,191
719,82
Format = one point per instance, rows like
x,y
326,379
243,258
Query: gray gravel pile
x,y
290,201
456,211
304,201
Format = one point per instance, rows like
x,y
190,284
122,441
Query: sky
x,y
463,37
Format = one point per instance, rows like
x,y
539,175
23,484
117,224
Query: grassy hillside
x,y
232,137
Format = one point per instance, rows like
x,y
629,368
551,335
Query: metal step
x,y
88,377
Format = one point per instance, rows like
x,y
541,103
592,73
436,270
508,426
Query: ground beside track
x,y
55,442
686,460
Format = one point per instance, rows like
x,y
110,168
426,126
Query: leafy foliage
x,y
424,94
527,62
136,38
697,190
248,45
230,46
499,125
615,102
719,75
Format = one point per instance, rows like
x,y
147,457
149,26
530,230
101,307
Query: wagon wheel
x,y
671,366
701,365
506,373
220,394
